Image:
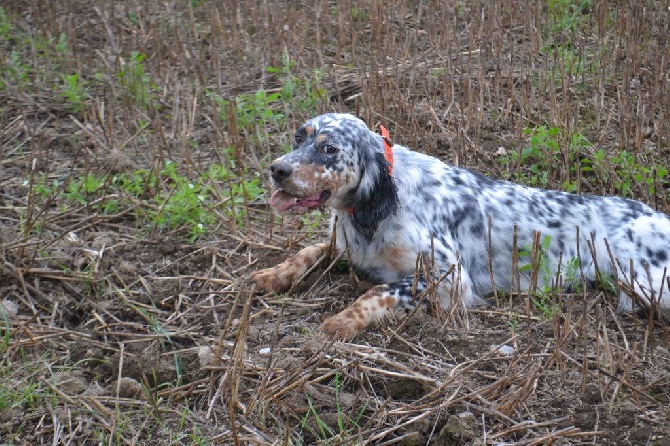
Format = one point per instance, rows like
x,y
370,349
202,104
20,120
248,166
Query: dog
x,y
391,205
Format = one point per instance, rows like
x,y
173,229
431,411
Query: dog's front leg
x,y
372,306
279,278
381,300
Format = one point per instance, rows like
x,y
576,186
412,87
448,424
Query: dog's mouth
x,y
283,201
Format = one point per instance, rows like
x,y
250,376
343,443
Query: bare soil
x,y
115,330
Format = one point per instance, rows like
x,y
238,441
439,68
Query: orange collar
x,y
388,147
388,154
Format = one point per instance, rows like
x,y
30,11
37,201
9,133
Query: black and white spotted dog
x,y
389,206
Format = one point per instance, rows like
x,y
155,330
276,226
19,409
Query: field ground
x,y
135,138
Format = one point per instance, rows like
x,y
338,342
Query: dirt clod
x,y
460,429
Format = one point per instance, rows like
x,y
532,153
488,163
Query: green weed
x,y
563,20
312,221
161,200
536,159
259,112
253,112
15,71
82,190
538,262
567,63
53,51
300,95
514,323
567,15
252,108
346,426
572,275
18,394
12,68
551,146
358,14
624,172
135,80
606,283
188,203
61,47
22,387
182,203
5,27
20,71
542,302
73,89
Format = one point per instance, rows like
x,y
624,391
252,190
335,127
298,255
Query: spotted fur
x,y
443,212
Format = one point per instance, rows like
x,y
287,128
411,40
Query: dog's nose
x,y
280,171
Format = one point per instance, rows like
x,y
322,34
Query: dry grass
x,y
125,316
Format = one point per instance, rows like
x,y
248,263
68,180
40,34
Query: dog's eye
x,y
298,138
330,150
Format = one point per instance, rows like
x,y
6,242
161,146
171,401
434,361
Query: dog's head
x,y
338,162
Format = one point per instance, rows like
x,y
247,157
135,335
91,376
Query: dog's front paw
x,y
271,280
343,325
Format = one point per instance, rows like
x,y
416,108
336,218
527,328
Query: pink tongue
x,y
282,201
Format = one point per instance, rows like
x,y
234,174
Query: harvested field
x,y
135,138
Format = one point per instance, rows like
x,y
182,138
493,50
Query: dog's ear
x,y
377,195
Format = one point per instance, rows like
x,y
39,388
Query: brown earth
x,y
116,329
